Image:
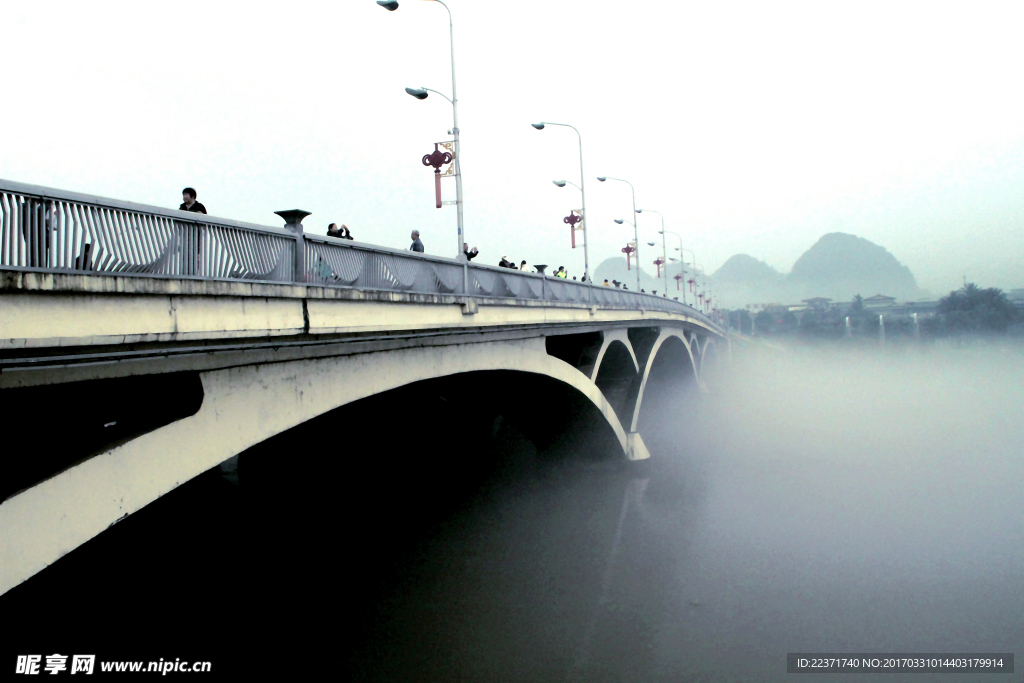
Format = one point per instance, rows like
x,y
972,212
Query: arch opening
x,y
671,384
615,377
711,364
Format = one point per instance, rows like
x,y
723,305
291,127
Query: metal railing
x,y
55,231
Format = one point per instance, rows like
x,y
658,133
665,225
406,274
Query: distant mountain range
x,y
838,266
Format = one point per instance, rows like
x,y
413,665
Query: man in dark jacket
x,y
416,244
189,203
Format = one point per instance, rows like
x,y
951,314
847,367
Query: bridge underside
x,y
145,415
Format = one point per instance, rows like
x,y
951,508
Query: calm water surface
x,y
807,503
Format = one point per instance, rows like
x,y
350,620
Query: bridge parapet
x,y
46,230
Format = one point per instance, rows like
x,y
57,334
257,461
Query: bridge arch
x,y
244,406
616,373
611,336
664,337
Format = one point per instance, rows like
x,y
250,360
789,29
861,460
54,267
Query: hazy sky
x,y
753,127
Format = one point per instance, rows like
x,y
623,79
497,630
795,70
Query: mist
x,y
809,500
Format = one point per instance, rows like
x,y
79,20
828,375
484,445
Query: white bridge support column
x,y
243,406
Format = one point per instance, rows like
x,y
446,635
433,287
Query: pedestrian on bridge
x,y
189,203
416,244
332,230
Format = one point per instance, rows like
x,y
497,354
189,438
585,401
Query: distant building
x,y
879,301
818,303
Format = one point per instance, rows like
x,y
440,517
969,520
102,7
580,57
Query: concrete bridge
x,y
140,347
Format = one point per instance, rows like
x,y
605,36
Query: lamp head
x,y
560,183
538,126
650,244
602,178
418,93
389,5
639,210
619,221
661,232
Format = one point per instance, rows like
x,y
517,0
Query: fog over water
x,y
811,501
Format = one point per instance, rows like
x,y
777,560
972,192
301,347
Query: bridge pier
x,y
635,448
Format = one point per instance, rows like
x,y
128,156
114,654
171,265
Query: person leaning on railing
x,y
189,203
342,233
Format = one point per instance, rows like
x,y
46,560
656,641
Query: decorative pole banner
x,y
572,219
678,279
448,146
691,282
437,159
658,263
628,251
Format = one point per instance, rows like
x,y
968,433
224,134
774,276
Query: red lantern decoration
x,y
678,279
691,282
658,263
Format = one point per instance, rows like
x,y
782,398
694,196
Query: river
x,y
810,501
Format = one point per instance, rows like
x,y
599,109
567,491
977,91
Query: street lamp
x,y
681,250
636,236
664,252
583,194
421,94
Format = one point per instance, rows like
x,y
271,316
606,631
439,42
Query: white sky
x,y
754,127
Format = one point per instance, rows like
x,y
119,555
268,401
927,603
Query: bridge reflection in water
x,y
772,517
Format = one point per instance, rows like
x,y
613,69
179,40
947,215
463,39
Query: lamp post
x,y
664,252
421,94
681,250
583,194
636,236
704,278
623,221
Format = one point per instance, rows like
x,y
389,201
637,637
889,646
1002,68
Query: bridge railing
x,y
49,230
53,230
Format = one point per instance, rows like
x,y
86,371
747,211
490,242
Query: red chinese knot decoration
x,y
628,251
572,219
437,159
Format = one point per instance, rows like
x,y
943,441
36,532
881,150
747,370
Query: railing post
x,y
293,222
